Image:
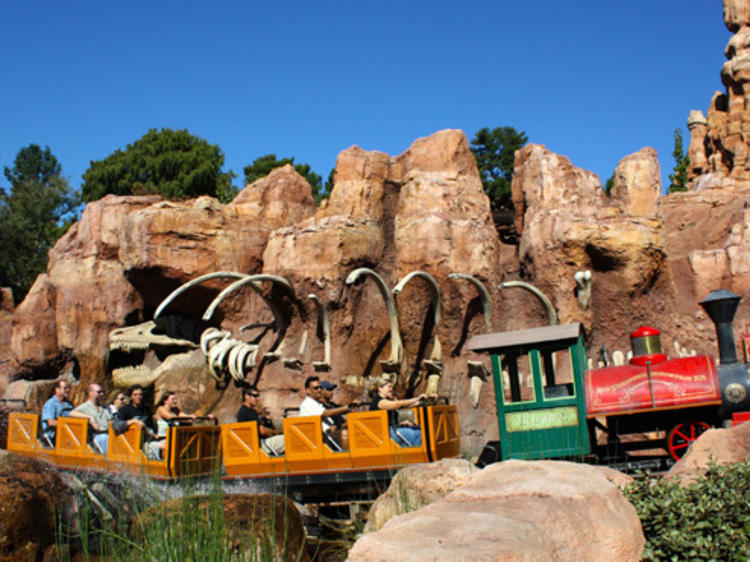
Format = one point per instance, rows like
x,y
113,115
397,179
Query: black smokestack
x,y
721,306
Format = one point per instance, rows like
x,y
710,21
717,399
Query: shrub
x,y
706,520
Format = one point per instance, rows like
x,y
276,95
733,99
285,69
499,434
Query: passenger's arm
x,y
335,411
48,415
266,431
92,421
386,404
164,413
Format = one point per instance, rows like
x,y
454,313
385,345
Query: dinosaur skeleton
x,y
226,355
551,313
324,320
393,363
253,282
583,290
478,373
140,346
434,364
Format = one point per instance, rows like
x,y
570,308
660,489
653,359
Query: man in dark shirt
x,y
271,441
326,395
136,409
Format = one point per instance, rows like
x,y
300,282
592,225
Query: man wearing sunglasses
x,y
313,405
98,416
271,441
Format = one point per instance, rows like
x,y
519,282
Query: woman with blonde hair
x,y
406,434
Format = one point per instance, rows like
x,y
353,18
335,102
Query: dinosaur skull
x,y
135,352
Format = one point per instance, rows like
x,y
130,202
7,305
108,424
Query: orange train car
x,y
189,450
308,467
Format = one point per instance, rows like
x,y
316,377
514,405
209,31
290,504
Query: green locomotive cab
x,y
538,376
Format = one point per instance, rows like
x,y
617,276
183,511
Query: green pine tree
x,y
174,164
34,213
494,150
679,177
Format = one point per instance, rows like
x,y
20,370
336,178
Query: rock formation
x,y
720,144
517,510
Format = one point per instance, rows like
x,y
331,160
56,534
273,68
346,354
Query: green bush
x,y
706,520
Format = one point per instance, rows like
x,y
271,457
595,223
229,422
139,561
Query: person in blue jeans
x,y
405,434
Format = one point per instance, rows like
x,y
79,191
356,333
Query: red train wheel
x,y
682,435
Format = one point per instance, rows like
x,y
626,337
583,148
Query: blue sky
x,y
594,81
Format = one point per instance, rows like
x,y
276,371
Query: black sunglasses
x,y
255,395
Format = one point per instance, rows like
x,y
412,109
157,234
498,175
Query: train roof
x,y
563,334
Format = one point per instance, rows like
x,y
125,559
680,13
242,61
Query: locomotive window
x,y
518,382
557,374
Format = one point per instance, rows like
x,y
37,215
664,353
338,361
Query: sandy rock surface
x,y
516,510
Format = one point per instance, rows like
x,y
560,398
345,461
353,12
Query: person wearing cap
x,y
326,396
313,405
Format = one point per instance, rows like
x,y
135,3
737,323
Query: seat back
x,y
72,435
445,437
23,429
240,447
126,447
303,441
193,450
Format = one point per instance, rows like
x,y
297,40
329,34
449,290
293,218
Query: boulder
x,y
736,14
516,510
443,222
714,446
416,486
721,146
33,393
68,312
92,297
321,253
171,243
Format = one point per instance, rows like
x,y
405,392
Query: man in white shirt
x,y
313,406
